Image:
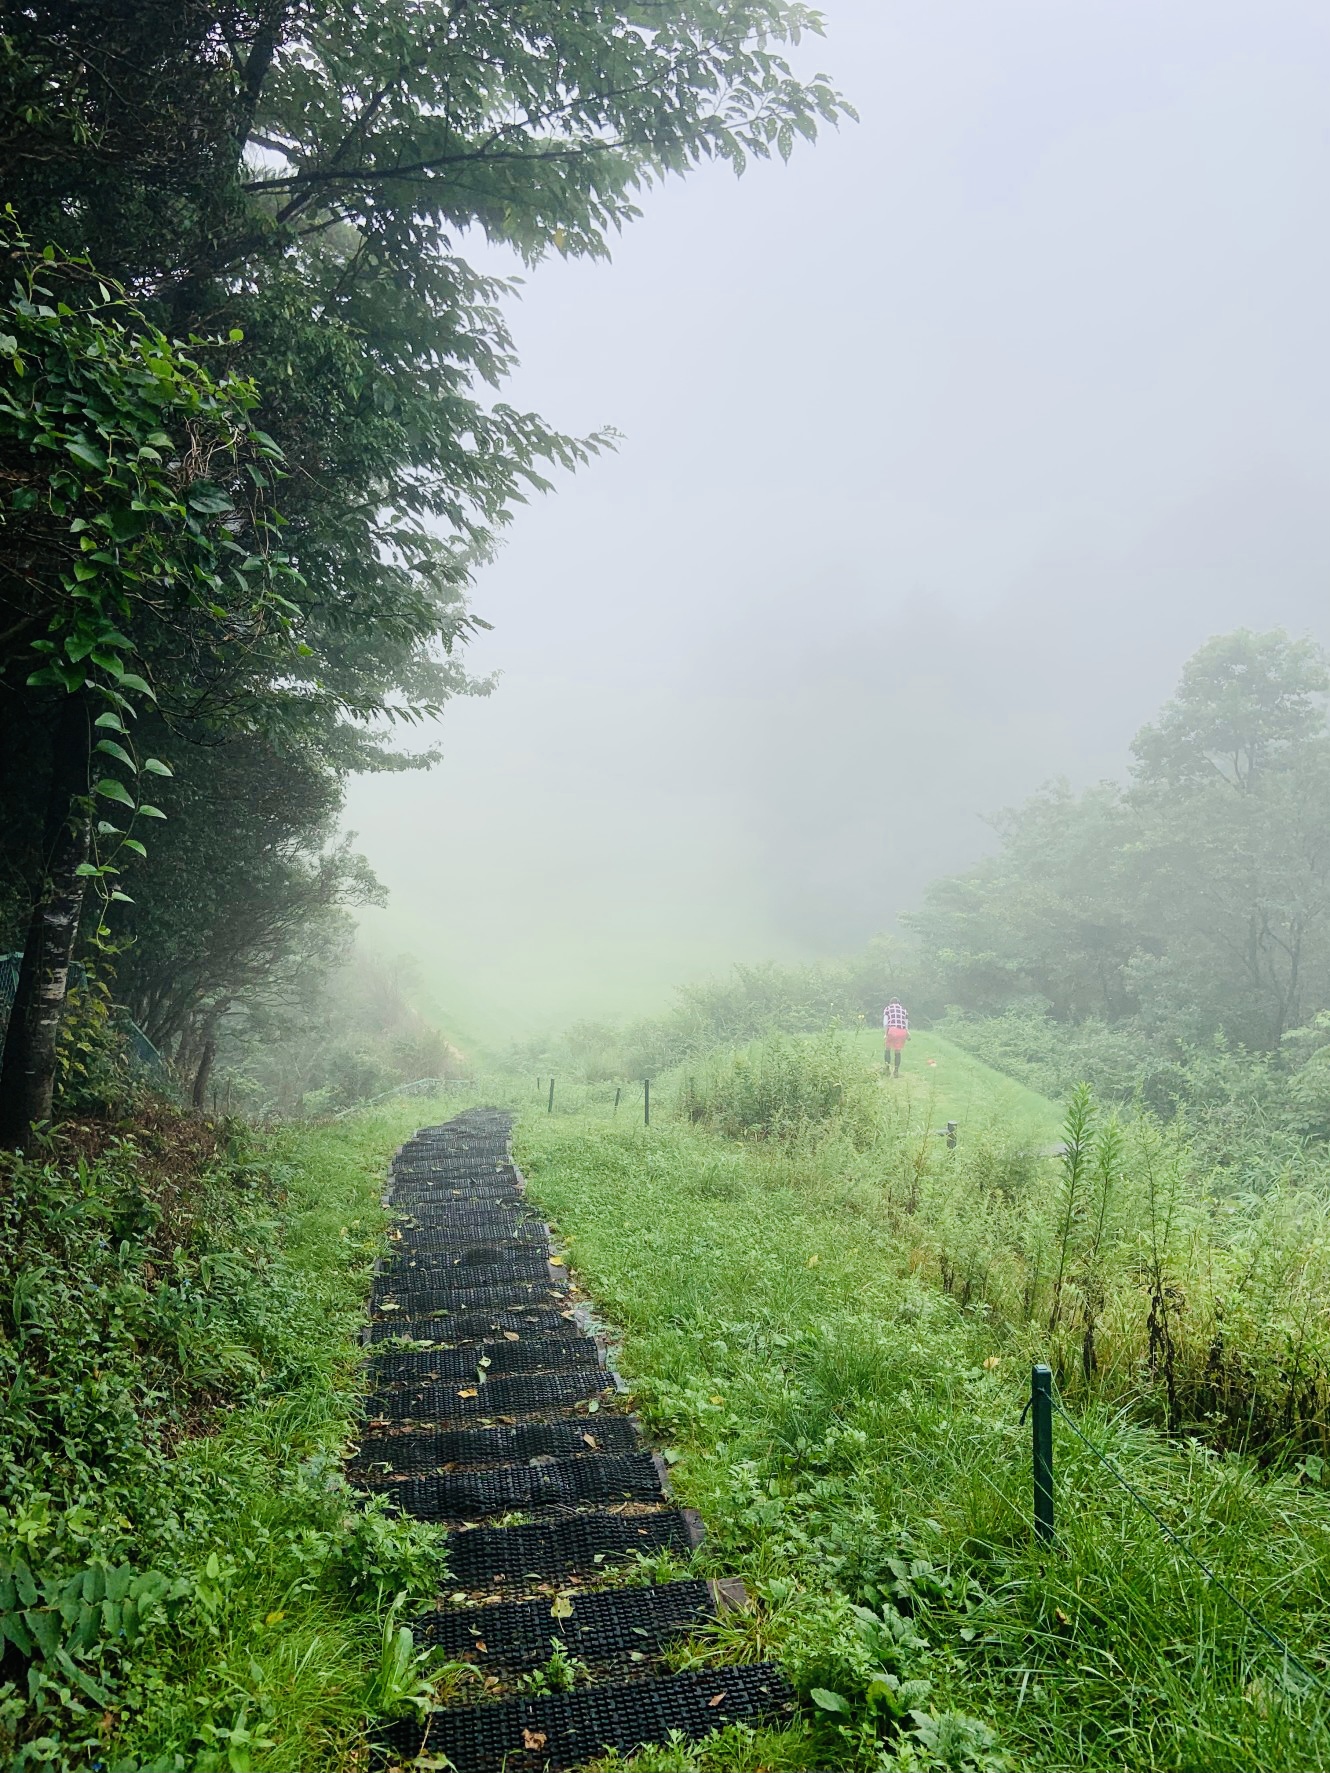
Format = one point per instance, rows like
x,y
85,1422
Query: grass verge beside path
x,y
941,1081
186,1581
852,1438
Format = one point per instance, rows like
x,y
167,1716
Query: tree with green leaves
x,y
1193,902
296,176
1247,704
137,515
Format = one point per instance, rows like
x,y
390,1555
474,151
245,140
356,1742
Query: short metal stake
x,y
549,1109
1041,1421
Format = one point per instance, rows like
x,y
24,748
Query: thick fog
x,y
943,446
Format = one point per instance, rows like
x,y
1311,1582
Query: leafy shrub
x,y
782,1088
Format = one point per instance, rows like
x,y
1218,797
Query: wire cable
x,y
1185,1549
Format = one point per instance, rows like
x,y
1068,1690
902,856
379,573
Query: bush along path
x,y
491,1411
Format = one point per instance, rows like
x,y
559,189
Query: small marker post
x,y
617,1094
550,1106
646,1101
1041,1423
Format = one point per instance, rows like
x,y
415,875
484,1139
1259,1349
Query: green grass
x,y
852,1438
942,1082
182,1392
290,1661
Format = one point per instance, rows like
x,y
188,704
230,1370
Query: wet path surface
x,y
502,1422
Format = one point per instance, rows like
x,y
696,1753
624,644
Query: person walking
x,y
895,1033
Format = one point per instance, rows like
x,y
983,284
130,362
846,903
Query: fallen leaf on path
x,y
511,1336
533,1738
716,1700
469,1391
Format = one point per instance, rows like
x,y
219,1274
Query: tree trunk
x,y
204,1071
27,1069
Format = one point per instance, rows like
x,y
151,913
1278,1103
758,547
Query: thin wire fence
x,y
1043,1404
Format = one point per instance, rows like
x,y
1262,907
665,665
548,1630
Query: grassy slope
x,y
943,1082
272,1662
853,1438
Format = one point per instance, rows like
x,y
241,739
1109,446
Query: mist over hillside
x,y
942,448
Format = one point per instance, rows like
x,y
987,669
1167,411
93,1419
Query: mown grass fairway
x,y
942,1082
852,1438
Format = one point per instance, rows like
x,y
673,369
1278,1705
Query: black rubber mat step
x,y
516,1394
410,1296
490,1558
555,1732
439,1214
473,1199
486,1168
420,1452
562,1483
445,1162
541,1355
471,1261
522,1234
600,1626
473,1326
430,1227
454,1174
444,1176
456,1186
445,1185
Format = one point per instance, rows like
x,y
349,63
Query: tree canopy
x,y
1192,902
286,196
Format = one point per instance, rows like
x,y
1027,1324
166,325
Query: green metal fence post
x,y
1041,1420
550,1107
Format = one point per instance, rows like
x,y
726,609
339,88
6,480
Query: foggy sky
x,y
943,446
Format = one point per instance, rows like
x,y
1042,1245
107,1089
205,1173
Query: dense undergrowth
x,y
836,1337
186,1581
1145,1273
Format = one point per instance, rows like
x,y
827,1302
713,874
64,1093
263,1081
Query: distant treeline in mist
x,y
249,454
1166,937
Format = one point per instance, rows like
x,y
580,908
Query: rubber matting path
x,y
490,1409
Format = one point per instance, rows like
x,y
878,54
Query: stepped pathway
x,y
502,1407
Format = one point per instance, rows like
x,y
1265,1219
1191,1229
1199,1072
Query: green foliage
x,y
138,502
1247,703
748,1004
336,1038
782,1088
1167,940
94,1074
185,1578
851,1435
296,179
